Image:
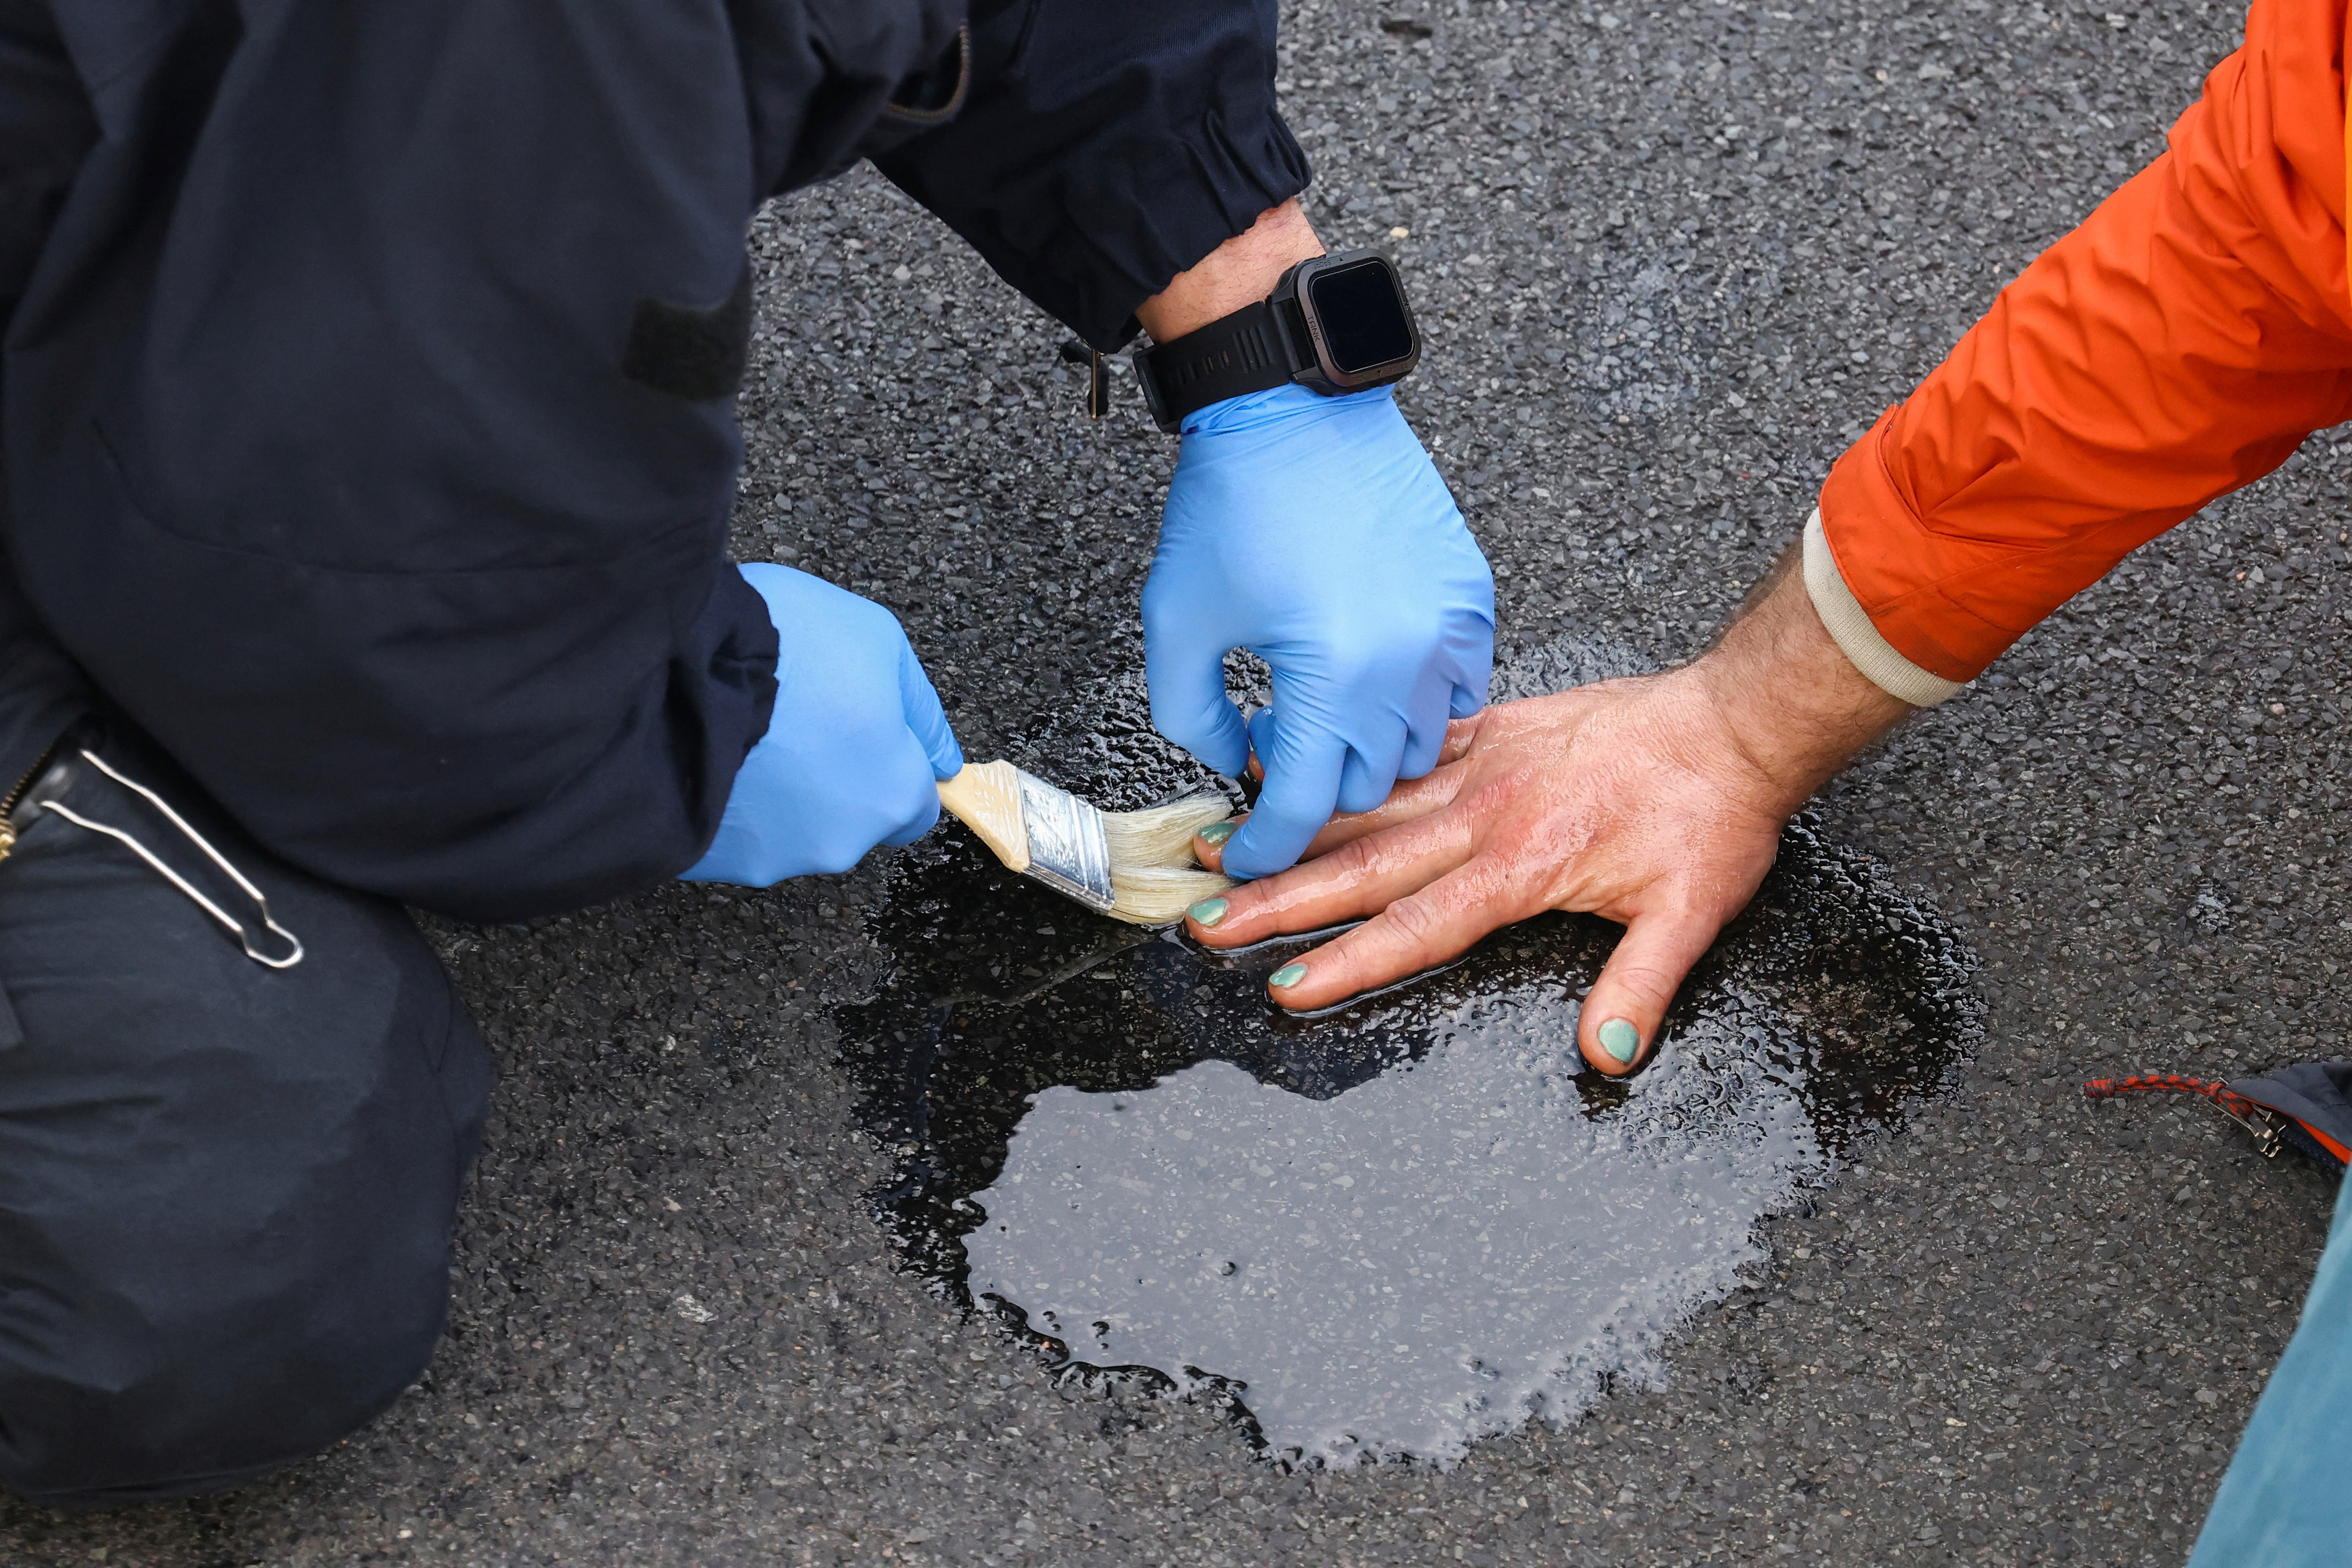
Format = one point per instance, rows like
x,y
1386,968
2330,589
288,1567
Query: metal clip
x,y
1097,368
2264,1123
1099,388
243,937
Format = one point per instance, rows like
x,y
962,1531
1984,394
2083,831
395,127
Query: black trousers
x,y
225,1190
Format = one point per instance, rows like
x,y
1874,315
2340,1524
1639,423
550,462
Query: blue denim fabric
x,y
2283,1504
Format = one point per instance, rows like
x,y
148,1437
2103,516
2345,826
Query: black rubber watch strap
x,y
1245,352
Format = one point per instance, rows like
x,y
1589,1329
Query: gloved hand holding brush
x,y
858,753
1316,533
855,749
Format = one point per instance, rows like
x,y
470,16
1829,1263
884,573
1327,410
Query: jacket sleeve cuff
x,y
1849,625
1122,146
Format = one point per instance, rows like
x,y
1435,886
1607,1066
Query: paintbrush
x,y
1133,866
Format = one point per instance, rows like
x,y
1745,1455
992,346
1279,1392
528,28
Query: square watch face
x,y
1361,315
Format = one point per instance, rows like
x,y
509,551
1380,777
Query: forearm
x,y
491,759
2181,343
1105,150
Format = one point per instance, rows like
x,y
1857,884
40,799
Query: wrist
x,y
1240,272
1332,323
1791,702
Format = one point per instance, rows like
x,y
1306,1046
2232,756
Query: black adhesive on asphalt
x,y
1670,262
1114,1137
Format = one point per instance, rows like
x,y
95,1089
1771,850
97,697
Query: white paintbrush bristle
x,y
1153,876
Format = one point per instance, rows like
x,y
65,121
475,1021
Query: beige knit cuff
x,y
1850,624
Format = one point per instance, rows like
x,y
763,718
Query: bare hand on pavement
x,y
1656,801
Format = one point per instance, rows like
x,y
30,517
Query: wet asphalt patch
x,y
1402,1225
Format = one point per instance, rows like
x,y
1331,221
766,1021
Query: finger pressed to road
x,y
1431,898
1415,932
1358,877
1628,1003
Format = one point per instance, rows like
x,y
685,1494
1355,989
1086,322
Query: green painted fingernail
x,y
1208,911
1216,833
1288,975
1620,1039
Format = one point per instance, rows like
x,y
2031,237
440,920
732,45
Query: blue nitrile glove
x,y
854,753
1315,532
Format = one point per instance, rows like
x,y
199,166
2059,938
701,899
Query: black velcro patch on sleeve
x,y
697,354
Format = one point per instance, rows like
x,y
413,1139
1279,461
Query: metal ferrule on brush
x,y
1068,850
1053,836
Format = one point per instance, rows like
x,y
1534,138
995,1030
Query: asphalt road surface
x,y
1669,263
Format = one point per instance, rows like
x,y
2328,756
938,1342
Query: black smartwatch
x,y
1334,323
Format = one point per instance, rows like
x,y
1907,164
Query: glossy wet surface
x,y
1402,1225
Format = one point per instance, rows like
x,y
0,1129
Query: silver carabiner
x,y
243,937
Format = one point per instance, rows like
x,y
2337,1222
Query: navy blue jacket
x,y
366,425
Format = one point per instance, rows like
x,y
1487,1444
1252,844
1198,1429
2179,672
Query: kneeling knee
x,y
130,1406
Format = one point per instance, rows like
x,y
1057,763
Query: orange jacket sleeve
x,y
2180,343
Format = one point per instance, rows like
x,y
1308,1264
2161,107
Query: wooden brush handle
x,y
986,798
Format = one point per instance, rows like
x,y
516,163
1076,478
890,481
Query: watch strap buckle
x,y
1248,351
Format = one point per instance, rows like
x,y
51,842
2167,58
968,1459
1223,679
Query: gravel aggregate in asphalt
x,y
1670,261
